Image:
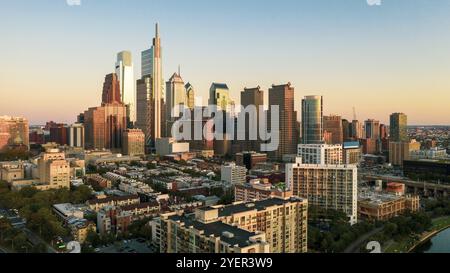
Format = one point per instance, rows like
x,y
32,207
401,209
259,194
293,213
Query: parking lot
x,y
126,246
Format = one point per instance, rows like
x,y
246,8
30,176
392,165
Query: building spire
x,y
179,70
157,30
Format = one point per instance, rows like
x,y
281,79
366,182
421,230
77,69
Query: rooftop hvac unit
x,y
227,234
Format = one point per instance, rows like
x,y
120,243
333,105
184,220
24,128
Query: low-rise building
x,y
119,201
10,171
384,206
233,174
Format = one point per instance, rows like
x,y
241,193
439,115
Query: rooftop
x,y
229,234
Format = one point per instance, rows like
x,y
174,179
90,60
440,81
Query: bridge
x,y
423,188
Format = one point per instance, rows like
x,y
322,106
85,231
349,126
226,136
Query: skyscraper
x,y
333,124
104,125
175,100
325,186
219,94
283,96
398,127
251,97
357,131
150,93
312,120
152,70
125,74
190,96
372,128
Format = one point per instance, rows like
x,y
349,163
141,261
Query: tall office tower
x,y
283,97
125,74
190,96
333,124
145,107
54,169
357,131
325,186
219,94
58,134
76,135
312,120
133,142
251,97
13,131
384,131
322,154
346,129
152,71
104,125
111,90
372,128
399,127
175,101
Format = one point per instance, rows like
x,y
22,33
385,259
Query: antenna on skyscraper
x,y
179,70
354,114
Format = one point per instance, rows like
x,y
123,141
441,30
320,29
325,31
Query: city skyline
x,y
349,58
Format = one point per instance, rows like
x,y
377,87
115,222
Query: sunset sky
x,y
380,59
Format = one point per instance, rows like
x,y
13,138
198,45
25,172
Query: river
x,y
440,243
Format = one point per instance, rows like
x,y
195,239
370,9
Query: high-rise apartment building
x,y
133,142
186,234
399,127
312,120
150,90
320,154
13,131
325,186
125,74
351,153
283,97
273,225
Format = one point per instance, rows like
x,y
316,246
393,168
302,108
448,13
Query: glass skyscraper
x,y
125,73
312,120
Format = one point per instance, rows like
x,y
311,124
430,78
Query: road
x,y
355,246
3,250
35,240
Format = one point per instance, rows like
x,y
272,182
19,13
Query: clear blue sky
x,y
381,59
